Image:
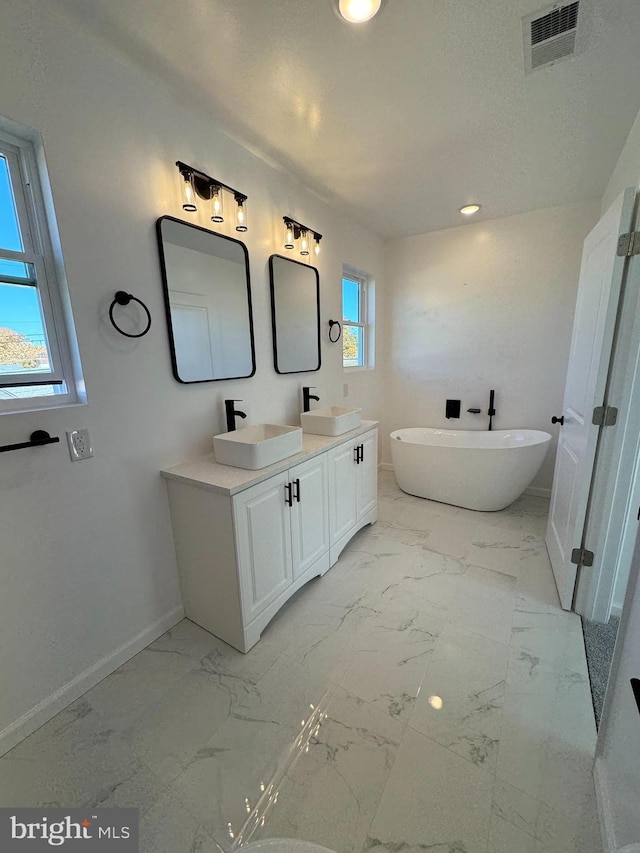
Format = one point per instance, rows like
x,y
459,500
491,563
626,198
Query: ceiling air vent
x,y
550,35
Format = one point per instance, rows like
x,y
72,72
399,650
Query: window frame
x,y
365,297
38,232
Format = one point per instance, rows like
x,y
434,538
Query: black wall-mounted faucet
x,y
232,414
307,396
492,411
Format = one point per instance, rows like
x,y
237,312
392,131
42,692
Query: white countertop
x,y
206,473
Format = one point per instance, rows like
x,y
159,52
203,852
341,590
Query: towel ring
x,y
122,298
333,323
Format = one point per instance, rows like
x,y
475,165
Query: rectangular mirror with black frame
x,y
295,315
207,294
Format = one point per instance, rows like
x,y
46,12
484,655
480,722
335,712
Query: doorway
x,y
594,507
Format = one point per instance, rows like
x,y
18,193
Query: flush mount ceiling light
x,y
469,209
197,184
358,11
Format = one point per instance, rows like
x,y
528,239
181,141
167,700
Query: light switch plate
x,y
79,442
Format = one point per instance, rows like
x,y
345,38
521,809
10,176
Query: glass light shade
x,y
241,216
288,236
216,205
316,247
358,11
304,243
189,203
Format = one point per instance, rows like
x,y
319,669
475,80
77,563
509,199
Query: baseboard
x,y
68,693
604,808
385,466
537,492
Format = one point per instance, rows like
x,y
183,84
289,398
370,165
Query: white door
x,y
343,498
262,525
310,514
591,344
367,473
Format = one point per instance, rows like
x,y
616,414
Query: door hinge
x,y
582,557
604,416
629,244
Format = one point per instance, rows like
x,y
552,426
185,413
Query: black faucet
x,y
492,410
307,396
232,414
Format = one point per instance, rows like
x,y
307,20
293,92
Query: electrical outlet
x,y
79,445
345,389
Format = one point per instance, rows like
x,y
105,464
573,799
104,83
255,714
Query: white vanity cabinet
x,y
247,540
281,529
353,487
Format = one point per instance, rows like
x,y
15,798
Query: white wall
x,y
627,169
86,549
486,305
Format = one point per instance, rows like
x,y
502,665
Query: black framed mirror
x,y
207,292
295,315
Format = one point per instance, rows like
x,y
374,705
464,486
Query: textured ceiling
x,y
403,119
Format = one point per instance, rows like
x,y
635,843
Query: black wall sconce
x,y
197,184
294,231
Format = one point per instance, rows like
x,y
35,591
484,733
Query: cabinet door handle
x,y
362,452
297,494
356,456
288,499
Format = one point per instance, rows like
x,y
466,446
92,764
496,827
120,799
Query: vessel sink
x,y
257,446
332,421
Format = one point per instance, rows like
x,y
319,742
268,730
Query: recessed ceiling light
x,y
358,11
468,209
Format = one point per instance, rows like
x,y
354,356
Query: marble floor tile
x,y
484,603
524,736
428,577
391,652
460,701
546,632
434,800
330,794
513,806
169,828
426,694
73,760
558,832
167,737
505,837
141,682
225,778
495,548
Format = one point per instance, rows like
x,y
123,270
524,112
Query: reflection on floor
x,y
599,643
427,694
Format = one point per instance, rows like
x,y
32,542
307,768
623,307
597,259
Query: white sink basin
x,y
332,421
257,446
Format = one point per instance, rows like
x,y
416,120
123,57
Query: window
x,y
36,368
357,319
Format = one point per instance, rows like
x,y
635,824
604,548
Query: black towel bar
x,y
36,439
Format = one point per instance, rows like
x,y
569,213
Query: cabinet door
x,y
343,506
367,472
262,528
310,513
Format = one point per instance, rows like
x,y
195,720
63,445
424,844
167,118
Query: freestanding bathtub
x,y
479,470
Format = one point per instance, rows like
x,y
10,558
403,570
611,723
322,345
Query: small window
x,y
357,320
36,368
